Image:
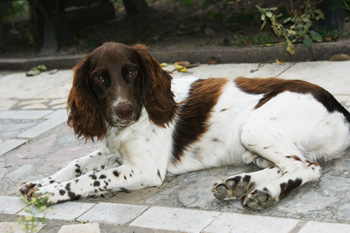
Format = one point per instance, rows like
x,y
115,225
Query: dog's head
x,y
112,84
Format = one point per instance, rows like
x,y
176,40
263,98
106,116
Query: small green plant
x,y
346,5
296,28
35,207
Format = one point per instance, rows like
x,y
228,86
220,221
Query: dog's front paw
x,y
27,189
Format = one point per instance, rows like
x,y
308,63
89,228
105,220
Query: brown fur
x,y
87,103
156,90
271,87
85,115
194,113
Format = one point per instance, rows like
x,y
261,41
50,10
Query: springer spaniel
x,y
150,124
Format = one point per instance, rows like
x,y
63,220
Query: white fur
x,y
289,124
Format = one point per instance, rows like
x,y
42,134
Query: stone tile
x,y
240,223
35,106
235,70
64,211
42,128
112,213
184,220
30,102
7,104
10,145
83,228
62,113
10,205
332,76
30,87
30,114
19,172
60,106
323,227
58,101
60,91
15,227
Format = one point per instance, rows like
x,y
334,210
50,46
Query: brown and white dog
x,y
150,124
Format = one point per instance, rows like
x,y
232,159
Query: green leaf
x,y
263,25
315,36
290,47
307,42
186,2
209,15
262,17
269,14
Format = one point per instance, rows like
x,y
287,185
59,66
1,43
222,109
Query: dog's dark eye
x,y
132,73
99,79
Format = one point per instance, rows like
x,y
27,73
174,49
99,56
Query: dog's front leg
x,y
95,161
97,183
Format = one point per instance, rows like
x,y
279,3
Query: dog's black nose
x,y
124,112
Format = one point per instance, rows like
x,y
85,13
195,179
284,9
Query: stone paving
x,y
35,142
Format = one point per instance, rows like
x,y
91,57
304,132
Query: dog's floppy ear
x,y
84,112
157,96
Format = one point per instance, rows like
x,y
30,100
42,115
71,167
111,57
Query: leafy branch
x,y
295,28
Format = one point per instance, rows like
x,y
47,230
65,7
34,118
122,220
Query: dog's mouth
x,y
123,123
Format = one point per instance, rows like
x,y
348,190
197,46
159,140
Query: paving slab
x,y
30,86
323,227
10,205
58,114
112,213
10,145
63,211
183,220
15,227
6,104
27,114
241,223
234,70
41,128
82,228
333,76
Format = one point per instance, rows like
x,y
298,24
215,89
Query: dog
x,y
150,124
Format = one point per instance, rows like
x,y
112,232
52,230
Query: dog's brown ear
x,y
157,96
84,112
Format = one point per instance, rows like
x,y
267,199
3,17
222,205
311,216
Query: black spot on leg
x,y
215,140
287,188
93,176
76,181
125,178
102,176
71,195
78,171
52,181
103,167
246,179
223,110
130,175
99,153
67,187
96,183
116,173
158,173
62,192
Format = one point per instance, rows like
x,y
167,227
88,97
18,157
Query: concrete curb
x,y
250,54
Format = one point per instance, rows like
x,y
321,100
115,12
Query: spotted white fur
x,y
285,136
